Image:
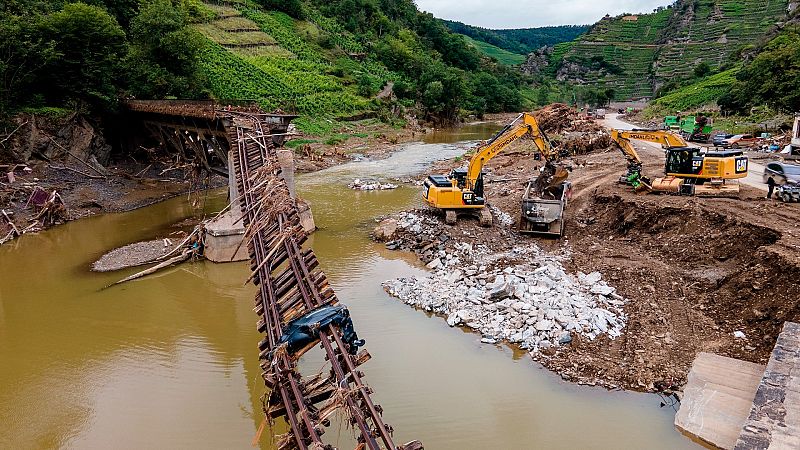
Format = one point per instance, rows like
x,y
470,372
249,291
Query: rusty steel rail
x,y
290,287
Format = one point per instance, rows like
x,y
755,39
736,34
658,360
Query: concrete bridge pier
x,y
224,234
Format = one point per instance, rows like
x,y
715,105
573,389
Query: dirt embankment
x,y
695,270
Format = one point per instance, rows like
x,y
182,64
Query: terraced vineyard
x,y
717,31
257,55
636,54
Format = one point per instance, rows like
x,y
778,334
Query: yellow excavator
x,y
462,190
687,170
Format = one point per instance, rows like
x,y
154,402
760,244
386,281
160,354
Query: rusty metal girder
x,y
291,286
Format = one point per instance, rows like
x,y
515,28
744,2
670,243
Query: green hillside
x,y
322,59
501,55
323,62
259,55
636,54
702,93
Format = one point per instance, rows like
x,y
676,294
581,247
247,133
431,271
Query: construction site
x,y
600,274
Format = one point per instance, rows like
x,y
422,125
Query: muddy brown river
x,y
170,361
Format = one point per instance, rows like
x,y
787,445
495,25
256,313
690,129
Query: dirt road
x,y
654,156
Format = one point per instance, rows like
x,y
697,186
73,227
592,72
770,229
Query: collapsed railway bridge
x,y
297,308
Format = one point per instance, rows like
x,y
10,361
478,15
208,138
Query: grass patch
x,y
337,139
294,143
52,112
316,126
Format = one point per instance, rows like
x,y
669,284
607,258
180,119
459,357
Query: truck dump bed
x,y
543,211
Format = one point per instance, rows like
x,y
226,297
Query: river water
x,y
170,361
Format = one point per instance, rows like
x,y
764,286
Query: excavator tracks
x,y
292,290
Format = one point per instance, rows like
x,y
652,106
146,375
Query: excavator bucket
x,y
670,185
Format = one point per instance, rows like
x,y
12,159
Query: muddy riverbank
x,y
70,157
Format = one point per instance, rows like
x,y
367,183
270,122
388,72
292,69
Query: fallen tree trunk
x,y
180,258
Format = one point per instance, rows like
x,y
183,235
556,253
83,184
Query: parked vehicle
x,y
719,138
671,123
600,113
789,192
740,141
781,173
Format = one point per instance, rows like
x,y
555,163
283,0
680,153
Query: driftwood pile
x,y
571,131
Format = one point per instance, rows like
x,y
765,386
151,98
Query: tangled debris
x,y
558,118
522,296
572,132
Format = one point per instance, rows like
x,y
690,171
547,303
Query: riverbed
x,y
170,361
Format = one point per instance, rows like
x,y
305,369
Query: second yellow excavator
x,y
462,190
687,170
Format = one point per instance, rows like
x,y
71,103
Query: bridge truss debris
x,y
295,299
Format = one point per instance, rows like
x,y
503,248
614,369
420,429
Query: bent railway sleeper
x,y
297,308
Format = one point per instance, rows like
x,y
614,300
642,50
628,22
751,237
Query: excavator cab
x,y
683,161
460,175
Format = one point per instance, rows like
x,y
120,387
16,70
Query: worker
x,y
770,187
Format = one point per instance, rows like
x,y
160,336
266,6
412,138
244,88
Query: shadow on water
x,y
170,361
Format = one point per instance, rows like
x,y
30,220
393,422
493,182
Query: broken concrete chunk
x,y
434,264
602,289
385,230
499,292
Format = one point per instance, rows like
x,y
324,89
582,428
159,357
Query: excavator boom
x,y
524,124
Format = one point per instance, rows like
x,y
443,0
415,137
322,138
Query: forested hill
x,y
320,58
519,40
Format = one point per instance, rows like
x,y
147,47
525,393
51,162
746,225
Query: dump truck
x,y
696,129
671,123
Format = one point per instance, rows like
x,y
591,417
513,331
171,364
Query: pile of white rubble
x,y
370,185
531,301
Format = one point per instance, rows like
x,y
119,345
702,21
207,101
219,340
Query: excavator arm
x,y
524,124
622,139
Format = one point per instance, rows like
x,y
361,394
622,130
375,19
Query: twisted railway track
x,y
298,309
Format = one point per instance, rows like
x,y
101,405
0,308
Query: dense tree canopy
x,y
89,53
771,78
521,40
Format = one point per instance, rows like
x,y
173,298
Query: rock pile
x,y
537,61
522,296
370,185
